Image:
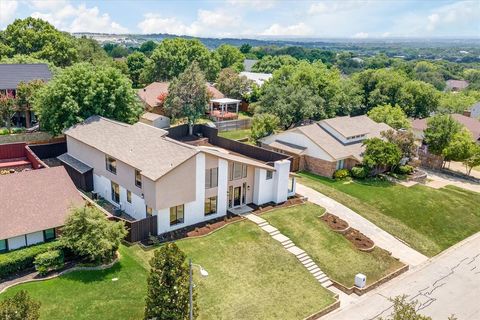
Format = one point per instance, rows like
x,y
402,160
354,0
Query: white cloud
x,y
360,35
7,11
253,4
155,23
300,29
329,7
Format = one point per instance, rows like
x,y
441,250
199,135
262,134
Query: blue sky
x,y
257,18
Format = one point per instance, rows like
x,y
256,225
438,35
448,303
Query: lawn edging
x,y
335,305
58,274
376,284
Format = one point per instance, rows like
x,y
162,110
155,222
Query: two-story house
x,y
142,171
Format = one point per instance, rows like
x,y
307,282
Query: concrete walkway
x,y
381,238
439,180
301,255
447,284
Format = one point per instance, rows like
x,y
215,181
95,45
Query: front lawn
x,y
332,252
427,219
235,134
250,277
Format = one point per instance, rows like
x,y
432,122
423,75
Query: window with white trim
x,y
211,178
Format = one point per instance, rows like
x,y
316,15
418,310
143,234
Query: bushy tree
x,y
268,64
230,57
473,160
147,47
136,62
168,286
457,102
20,307
404,140
439,132
36,37
187,95
380,153
460,148
263,125
81,91
89,50
407,310
89,234
173,56
7,109
232,85
395,117
26,92
419,99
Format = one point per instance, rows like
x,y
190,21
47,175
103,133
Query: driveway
x,y
381,238
441,180
447,284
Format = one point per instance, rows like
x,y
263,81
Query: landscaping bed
x,y
359,240
427,219
330,250
335,222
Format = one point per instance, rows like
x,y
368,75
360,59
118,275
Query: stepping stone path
x,y
288,244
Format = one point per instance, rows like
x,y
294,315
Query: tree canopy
x,y
36,37
268,64
232,85
135,63
230,57
380,153
168,286
263,125
81,91
395,117
460,148
173,56
439,132
20,307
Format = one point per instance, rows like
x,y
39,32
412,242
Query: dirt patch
x,y
335,222
361,241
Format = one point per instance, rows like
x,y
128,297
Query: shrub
x,y
20,307
47,261
22,259
341,174
17,130
359,172
3,131
406,169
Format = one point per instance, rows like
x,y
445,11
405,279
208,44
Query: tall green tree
x,y
20,307
40,39
91,236
7,109
380,153
168,286
232,85
136,62
263,125
89,50
81,91
230,57
404,140
460,148
419,99
173,56
187,95
395,117
268,64
147,47
439,132
473,160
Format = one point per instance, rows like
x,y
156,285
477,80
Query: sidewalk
x,y
381,238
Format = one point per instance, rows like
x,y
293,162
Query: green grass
x,y
427,219
332,252
235,134
250,277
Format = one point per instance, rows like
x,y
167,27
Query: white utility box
x,y
360,280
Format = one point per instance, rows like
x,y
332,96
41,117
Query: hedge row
x,y
22,259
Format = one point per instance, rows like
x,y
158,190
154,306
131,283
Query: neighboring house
x,y
155,93
472,125
155,120
10,77
138,169
257,77
474,111
456,85
327,145
33,205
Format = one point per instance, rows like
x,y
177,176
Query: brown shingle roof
x,y
150,93
141,146
35,200
472,124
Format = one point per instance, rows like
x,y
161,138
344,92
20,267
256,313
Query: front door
x,y
237,196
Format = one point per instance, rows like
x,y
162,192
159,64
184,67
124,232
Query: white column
x,y
281,177
222,186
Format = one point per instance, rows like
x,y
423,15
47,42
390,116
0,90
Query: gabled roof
x,y
141,146
460,84
12,74
351,126
258,77
150,93
35,200
472,124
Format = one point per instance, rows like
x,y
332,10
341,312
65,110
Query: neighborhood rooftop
x,y
12,74
472,124
35,200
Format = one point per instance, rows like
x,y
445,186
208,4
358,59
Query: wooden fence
x,y
141,229
232,125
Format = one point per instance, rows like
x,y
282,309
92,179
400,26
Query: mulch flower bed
x,y
335,222
361,241
201,231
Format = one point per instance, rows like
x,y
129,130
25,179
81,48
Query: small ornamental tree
x,y
439,132
263,125
90,235
168,286
380,153
7,109
20,307
460,148
187,95
404,139
473,160
407,310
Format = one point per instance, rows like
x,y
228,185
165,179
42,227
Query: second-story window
x,y
211,178
269,174
138,178
111,164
